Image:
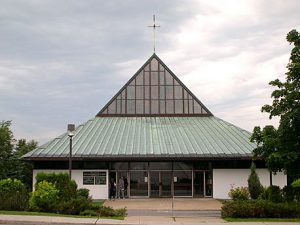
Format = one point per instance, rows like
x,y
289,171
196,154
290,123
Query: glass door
x,y
154,184
202,184
208,184
122,176
183,183
166,183
112,184
160,184
198,184
139,183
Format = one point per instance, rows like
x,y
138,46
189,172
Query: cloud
x,y
228,56
61,61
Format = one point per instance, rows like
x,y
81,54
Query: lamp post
x,y
71,132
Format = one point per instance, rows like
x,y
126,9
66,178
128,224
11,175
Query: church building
x,y
159,137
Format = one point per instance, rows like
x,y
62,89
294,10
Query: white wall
x,y
96,191
225,179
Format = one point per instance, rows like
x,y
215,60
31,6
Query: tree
x,y
281,147
11,166
6,148
254,185
23,147
23,170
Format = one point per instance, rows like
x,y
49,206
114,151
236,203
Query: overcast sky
x,y
61,61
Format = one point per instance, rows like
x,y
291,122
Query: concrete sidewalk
x,y
44,220
165,209
186,211
166,204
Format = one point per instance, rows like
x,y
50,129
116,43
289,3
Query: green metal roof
x,y
150,137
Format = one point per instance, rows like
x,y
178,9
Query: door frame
x,y
204,183
160,191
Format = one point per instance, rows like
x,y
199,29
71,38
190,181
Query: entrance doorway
x,y
199,184
122,175
112,179
160,184
138,183
202,184
113,176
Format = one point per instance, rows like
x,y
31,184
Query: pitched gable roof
x,y
154,116
120,138
154,90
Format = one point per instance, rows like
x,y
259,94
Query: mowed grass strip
x,y
27,213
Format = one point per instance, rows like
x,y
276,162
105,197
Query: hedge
x,y
260,209
45,198
55,192
67,188
13,195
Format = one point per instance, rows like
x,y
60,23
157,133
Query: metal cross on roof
x,y
154,26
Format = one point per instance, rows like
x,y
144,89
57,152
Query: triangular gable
x,y
154,91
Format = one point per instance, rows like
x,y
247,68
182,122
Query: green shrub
x,y
254,185
60,195
297,194
239,194
96,206
74,206
88,212
13,195
274,194
296,183
67,188
44,198
121,212
296,187
106,211
83,192
288,193
68,200
264,194
260,209
235,209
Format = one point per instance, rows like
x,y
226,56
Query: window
x,y
94,178
138,165
154,90
139,183
130,106
154,106
130,92
154,64
154,78
182,183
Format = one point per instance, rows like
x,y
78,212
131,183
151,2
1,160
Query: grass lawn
x,y
26,213
262,219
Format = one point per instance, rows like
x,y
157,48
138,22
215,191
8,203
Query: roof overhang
x,y
144,158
